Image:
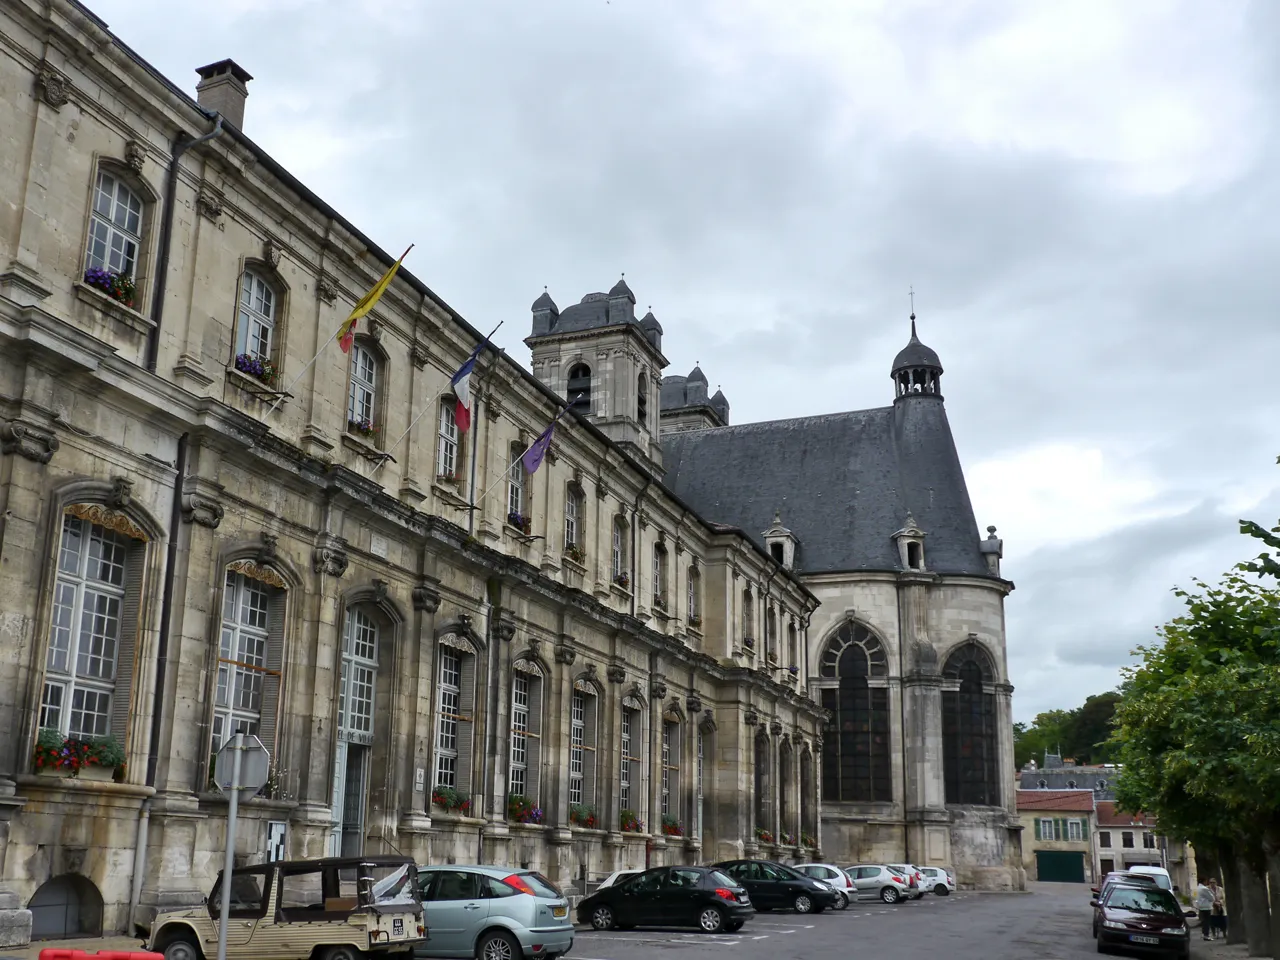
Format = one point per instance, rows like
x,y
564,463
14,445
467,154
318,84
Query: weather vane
x,y
911,292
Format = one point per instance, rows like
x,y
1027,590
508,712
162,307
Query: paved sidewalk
x,y
89,945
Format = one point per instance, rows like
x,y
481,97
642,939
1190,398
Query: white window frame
x,y
693,599
571,509
357,694
86,632
448,717
1075,830
362,395
659,573
1046,828
447,446
619,549
577,746
516,482
1149,840
521,691
626,740
257,327
670,771
115,227
242,658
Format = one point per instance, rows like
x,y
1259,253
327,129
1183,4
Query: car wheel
x,y
842,901
182,948
343,952
602,918
733,926
711,920
498,945
941,890
890,895
802,903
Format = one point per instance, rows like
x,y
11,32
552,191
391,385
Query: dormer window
x,y
780,543
910,540
1043,784
915,556
776,551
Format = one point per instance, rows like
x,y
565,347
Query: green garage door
x,y
1060,866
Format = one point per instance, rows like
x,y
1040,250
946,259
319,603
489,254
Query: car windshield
x,y
1143,900
720,880
788,873
542,887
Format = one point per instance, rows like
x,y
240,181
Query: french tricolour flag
x,y
462,389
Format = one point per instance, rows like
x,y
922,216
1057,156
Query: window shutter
x,y
242,326
589,754
1059,828
126,655
274,663
533,751
1084,829
1038,837
466,726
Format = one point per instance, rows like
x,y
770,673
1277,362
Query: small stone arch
x,y
971,650
67,905
588,682
376,594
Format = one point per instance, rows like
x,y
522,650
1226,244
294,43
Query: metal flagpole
x,y
563,411
434,401
324,343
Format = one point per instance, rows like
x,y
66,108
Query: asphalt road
x,y
1050,923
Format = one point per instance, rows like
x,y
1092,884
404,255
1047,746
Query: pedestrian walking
x,y
1219,915
1204,908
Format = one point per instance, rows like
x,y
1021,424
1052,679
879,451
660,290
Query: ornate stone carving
x,y
426,598
326,289
658,690
637,691
420,355
272,251
135,155
330,556
589,671
37,445
532,643
616,673
209,202
380,588
256,571
504,630
203,510
708,722
267,552
751,718
693,703
565,654
775,727
104,517
121,493
52,85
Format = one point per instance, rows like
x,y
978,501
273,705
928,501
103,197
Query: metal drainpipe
x,y
180,146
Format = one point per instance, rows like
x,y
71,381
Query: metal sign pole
x,y
229,863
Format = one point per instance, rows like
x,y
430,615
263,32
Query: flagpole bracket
x,y
267,394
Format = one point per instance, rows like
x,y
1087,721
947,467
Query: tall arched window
x,y
115,227
852,678
448,450
357,687
516,511
784,788
455,707
256,327
762,782
574,541
694,599
582,745
670,786
660,577
642,400
579,389
619,553
526,729
748,616
793,653
806,792
970,745
631,737
250,657
365,382
771,633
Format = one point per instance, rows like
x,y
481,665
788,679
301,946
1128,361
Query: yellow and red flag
x,y
347,334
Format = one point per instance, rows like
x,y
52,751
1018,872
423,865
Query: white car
x,y
614,877
833,877
939,879
875,881
1159,874
914,877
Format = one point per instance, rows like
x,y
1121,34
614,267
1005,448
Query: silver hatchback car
x,y
492,913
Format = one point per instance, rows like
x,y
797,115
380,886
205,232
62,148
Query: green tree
x,y
1088,733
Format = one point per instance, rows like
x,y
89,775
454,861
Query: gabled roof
x,y
1110,816
1055,801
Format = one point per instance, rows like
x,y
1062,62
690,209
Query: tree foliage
x,y
1082,734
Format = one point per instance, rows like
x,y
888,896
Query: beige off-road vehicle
x,y
340,908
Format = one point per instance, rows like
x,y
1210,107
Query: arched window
x,y
362,394
256,326
357,686
94,627
660,577
776,551
579,389
574,541
748,617
670,788
448,450
526,729
762,783
455,706
793,652
852,677
695,597
115,227
771,633
631,738
642,400
619,553
516,489
969,740
250,656
582,745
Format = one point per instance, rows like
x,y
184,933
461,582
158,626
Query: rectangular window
x,y
1149,841
1074,830
257,317
242,658
697,810
519,734
363,388
450,704
624,778
1126,839
515,485
660,578
1104,839
571,519
577,745
619,550
670,767
1046,829
115,227
447,451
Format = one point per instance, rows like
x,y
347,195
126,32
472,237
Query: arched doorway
x,y
66,906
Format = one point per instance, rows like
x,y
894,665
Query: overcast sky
x,y
1084,196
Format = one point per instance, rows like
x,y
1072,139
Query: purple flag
x,y
534,456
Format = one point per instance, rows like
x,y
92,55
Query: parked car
x,y
875,881
833,877
939,879
341,908
1120,876
774,886
616,876
1140,917
1159,874
669,896
493,913
913,876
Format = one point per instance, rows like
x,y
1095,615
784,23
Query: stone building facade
x,y
200,533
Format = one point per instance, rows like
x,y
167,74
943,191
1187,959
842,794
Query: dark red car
x,y
1142,918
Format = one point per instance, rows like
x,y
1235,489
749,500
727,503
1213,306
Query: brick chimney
x,y
222,88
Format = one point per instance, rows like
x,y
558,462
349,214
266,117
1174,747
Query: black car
x,y
1142,917
669,897
774,886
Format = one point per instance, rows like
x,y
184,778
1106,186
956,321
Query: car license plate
x,y
559,911
397,926
1137,939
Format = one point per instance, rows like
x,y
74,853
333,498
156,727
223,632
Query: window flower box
x,y
789,839
793,670
260,368
764,836
583,815
117,286
629,822
749,643
363,427
807,841
99,759
449,477
574,552
672,827
451,800
660,603
623,580
695,621
520,522
523,809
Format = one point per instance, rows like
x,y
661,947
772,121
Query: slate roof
x,y
843,483
1056,800
916,354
